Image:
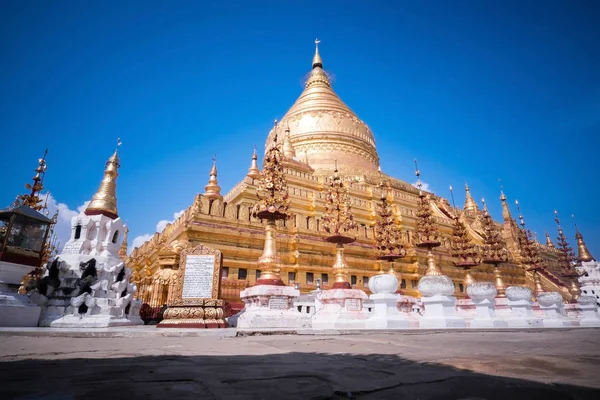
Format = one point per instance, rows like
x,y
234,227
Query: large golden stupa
x,y
317,132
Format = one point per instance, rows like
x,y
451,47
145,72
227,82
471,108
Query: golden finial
x,y
418,174
288,148
104,202
253,171
452,198
123,248
212,190
485,209
470,204
317,62
583,254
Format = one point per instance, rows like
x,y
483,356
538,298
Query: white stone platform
x,y
522,315
16,310
385,313
341,309
271,306
440,312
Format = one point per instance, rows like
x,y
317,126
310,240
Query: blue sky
x,y
475,90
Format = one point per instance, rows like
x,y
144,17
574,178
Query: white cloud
x,y
425,186
62,228
140,240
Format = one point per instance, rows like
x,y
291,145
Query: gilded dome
x,y
323,129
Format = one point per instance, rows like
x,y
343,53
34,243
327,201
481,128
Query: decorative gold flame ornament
x,y
388,236
428,235
32,199
338,222
566,260
462,248
272,205
494,250
529,254
104,201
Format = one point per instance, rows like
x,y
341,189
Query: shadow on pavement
x,y
274,376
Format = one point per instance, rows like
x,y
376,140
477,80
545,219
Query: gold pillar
x,y
269,262
340,270
499,282
538,282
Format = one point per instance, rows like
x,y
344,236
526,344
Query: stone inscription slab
x,y
71,248
353,304
278,303
198,277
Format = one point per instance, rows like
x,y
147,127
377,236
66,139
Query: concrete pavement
x,y
557,364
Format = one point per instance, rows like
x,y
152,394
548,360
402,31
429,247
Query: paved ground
x,y
558,364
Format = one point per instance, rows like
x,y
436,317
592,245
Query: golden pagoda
x,y
319,133
104,201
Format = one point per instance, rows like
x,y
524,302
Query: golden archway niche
x,y
194,299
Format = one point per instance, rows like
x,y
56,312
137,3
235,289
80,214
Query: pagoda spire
x,y
212,190
505,210
104,201
253,171
583,254
470,204
317,62
288,148
123,248
549,241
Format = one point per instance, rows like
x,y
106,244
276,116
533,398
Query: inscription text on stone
x,y
353,304
278,303
198,277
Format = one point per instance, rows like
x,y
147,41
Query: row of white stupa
x,y
437,308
